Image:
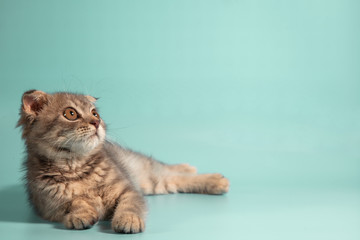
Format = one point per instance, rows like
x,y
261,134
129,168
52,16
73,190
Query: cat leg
x,y
182,168
82,213
129,213
202,183
188,183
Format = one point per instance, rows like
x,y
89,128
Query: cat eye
x,y
95,114
70,114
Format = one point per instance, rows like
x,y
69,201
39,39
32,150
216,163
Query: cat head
x,y
60,124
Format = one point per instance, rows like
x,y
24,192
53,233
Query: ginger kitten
x,y
77,177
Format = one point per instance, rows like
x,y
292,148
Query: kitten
x,y
77,177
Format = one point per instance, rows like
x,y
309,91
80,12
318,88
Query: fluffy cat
x,y
77,177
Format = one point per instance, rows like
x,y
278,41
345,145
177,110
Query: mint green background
x,y
265,92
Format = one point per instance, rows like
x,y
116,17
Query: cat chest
x,y
81,181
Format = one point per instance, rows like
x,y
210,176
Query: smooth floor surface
x,y
244,213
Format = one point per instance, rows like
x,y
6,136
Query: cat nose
x,y
96,123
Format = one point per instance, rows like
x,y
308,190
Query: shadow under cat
x,y
14,206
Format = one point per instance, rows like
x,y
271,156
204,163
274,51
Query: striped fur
x,y
75,176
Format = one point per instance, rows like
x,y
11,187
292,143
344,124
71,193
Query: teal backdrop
x,y
266,92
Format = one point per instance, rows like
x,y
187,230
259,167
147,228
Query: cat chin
x,y
86,146
83,148
89,143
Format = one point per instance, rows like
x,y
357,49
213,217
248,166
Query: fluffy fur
x,y
75,176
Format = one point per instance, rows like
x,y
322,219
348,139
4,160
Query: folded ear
x,y
91,98
33,101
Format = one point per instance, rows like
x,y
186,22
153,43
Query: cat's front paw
x,y
217,184
128,223
80,221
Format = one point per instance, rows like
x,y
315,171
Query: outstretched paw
x,y
217,184
128,223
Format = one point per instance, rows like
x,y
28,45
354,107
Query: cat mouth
x,y
94,135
